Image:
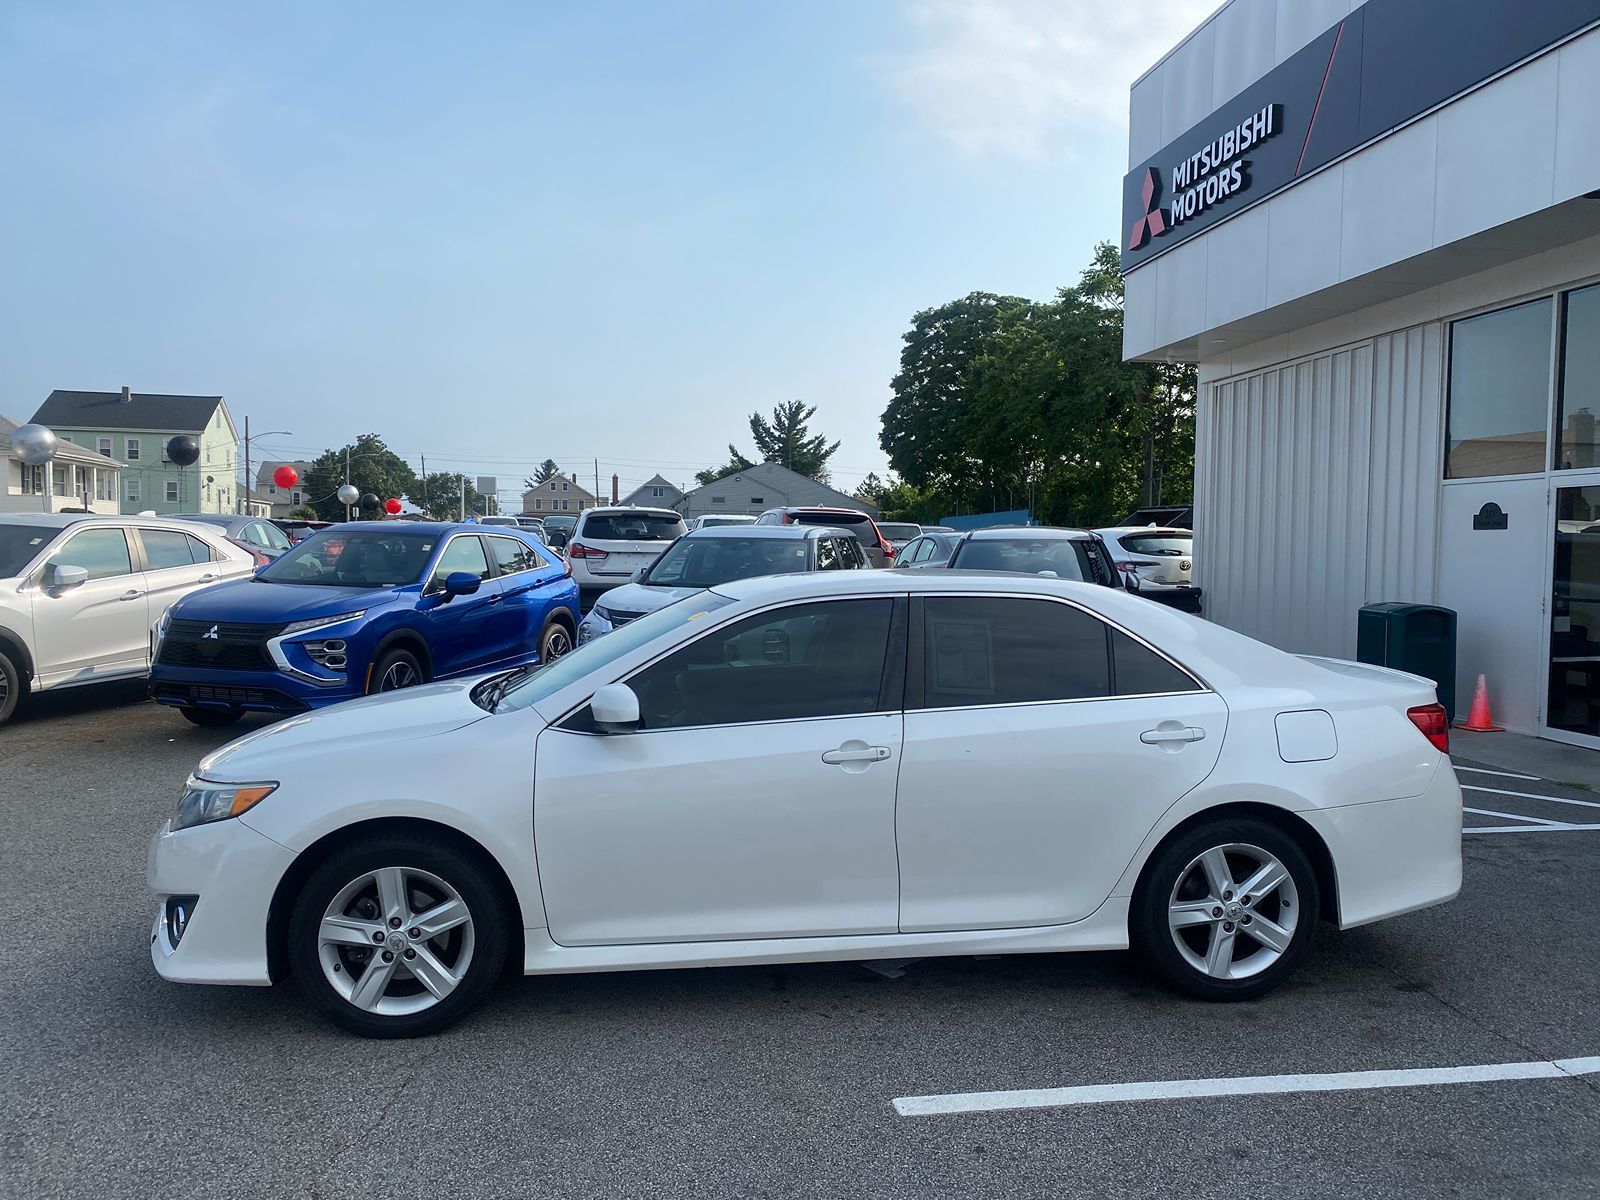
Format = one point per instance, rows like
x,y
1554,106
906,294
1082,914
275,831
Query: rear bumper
x,y
253,691
1395,856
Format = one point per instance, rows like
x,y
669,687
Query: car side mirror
x,y
615,708
461,583
636,576
63,575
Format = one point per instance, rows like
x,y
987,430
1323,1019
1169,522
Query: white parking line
x,y
1249,1085
1530,828
1501,774
1489,812
1531,796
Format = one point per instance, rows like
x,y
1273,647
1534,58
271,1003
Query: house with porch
x,y
77,478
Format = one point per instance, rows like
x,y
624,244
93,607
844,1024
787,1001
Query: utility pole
x,y
238,502
347,478
425,496
597,481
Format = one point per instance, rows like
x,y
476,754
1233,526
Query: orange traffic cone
x,y
1479,719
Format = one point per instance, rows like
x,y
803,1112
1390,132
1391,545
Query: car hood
x,y
256,601
348,730
640,597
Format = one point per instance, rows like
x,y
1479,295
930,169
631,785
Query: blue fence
x,y
1017,516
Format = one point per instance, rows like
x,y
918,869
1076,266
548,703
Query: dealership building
x,y
1376,228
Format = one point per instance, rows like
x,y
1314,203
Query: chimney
x,y
613,489
127,394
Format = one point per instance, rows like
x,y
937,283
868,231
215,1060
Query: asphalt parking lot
x,y
779,1081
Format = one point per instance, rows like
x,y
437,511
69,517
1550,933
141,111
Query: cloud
x,y
1013,78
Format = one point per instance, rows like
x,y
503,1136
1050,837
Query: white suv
x,y
609,544
79,594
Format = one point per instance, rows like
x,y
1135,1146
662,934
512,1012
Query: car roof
x,y
213,518
827,508
1044,533
1119,530
417,528
777,532
64,520
608,509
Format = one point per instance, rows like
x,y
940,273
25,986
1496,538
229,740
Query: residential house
x,y
135,428
253,504
655,492
78,478
558,494
283,500
764,486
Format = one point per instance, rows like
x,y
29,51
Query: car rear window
x,y
1022,556
1171,545
632,527
896,531
842,519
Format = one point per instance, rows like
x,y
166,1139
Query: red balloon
x,y
391,506
286,476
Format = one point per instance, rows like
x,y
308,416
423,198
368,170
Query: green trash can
x,y
1419,638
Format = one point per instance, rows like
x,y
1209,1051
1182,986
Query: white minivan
x,y
609,544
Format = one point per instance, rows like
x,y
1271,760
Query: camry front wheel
x,y
396,937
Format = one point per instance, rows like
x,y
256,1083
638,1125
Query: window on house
x,y
172,491
132,451
105,446
1499,392
1580,387
297,498
59,485
272,489
719,499
758,499
563,485
658,492
105,485
133,491
552,485
32,481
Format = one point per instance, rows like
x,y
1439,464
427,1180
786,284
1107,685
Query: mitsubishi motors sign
x,y
1200,181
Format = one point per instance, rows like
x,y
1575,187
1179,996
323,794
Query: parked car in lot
x,y
1157,563
255,534
78,594
880,553
557,531
705,558
899,533
364,608
609,544
818,767
1033,550
495,519
298,530
718,520
932,549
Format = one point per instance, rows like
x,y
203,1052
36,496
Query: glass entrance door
x,y
1572,704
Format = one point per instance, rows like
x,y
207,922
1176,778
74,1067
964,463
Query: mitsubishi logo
x,y
1154,221
211,634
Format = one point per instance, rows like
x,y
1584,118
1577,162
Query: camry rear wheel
x,y
397,937
1226,912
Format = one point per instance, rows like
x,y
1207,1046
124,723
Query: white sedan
x,y
818,767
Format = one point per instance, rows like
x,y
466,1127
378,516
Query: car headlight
x,y
319,622
204,801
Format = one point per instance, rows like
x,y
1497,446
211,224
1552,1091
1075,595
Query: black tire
x,y
1157,944
10,687
555,641
461,871
396,664
212,718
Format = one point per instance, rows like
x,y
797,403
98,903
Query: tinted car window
x,y
993,650
899,531
1141,671
632,527
1168,545
101,552
352,558
18,545
198,550
165,548
827,554
1022,555
807,660
462,554
701,562
852,557
513,555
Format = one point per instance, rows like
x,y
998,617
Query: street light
x,y
247,440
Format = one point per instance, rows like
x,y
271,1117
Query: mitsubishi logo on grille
x,y
211,634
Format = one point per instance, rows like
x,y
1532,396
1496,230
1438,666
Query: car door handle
x,y
207,579
866,754
1162,737
496,599
130,595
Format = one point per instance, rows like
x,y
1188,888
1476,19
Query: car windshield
x,y
632,527
353,558
19,544
714,522
897,532
1172,545
1021,555
702,562
544,681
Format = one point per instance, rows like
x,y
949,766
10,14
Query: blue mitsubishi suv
x,y
361,608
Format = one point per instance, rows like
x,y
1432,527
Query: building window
x,y
58,478
172,491
105,485
105,447
132,454
133,491
658,492
297,498
719,499
32,480
1579,444
1499,393
758,499
563,485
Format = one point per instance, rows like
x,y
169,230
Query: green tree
x,y
545,472
441,496
373,468
304,513
736,463
787,440
872,489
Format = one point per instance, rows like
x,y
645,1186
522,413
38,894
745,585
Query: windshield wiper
x,y
491,691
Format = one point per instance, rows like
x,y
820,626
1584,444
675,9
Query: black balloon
x,y
183,450
369,500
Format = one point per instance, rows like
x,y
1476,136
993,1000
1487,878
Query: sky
x,y
497,233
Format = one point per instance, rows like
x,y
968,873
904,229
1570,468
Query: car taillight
x,y
1434,723
579,550
566,569
1126,566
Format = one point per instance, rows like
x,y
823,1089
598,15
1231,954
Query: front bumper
x,y
253,691
593,626
234,871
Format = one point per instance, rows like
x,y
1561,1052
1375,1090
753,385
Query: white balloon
x,y
34,444
349,493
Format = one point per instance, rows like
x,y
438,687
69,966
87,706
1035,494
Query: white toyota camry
x,y
803,768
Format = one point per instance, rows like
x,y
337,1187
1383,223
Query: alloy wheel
x,y
1233,911
400,674
395,941
556,644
